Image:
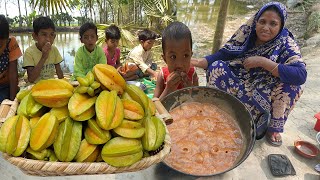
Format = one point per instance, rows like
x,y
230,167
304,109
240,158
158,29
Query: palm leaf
x,y
128,36
51,5
158,9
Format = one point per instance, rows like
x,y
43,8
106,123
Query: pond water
x,y
199,15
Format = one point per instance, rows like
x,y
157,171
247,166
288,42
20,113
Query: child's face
x,y
112,43
147,45
177,55
44,36
89,39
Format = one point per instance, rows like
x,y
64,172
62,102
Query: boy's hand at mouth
x,y
45,50
174,79
185,80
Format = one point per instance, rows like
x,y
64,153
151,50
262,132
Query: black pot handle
x,y
265,118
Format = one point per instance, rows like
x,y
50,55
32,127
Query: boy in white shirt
x,y
142,55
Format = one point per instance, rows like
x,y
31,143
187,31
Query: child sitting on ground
x,y
42,60
111,49
89,54
177,52
9,54
142,56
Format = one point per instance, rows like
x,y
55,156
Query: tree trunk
x,y
221,21
20,17
5,7
85,13
90,9
118,14
134,11
113,13
95,17
25,6
106,12
100,11
91,14
140,14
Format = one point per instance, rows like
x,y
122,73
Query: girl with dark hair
x,y
111,49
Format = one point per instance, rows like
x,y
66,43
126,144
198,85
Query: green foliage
x,y
62,18
29,19
16,20
81,20
160,11
10,21
127,37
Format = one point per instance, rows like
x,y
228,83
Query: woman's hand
x,y
260,61
200,63
254,62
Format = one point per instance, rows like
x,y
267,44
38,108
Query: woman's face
x,y
268,26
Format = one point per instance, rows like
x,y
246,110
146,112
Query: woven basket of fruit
x,y
102,126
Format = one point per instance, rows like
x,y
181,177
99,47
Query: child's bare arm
x,y
59,71
159,86
152,72
118,64
34,72
13,78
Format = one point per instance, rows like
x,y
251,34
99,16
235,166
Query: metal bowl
x,y
229,104
139,84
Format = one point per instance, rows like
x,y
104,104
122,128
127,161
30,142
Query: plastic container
x,y
317,125
306,149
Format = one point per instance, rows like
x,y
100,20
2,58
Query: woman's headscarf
x,y
282,49
239,42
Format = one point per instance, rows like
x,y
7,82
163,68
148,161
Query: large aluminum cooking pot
x,y
229,104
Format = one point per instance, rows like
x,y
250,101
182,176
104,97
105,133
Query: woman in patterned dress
x,y
9,53
262,66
